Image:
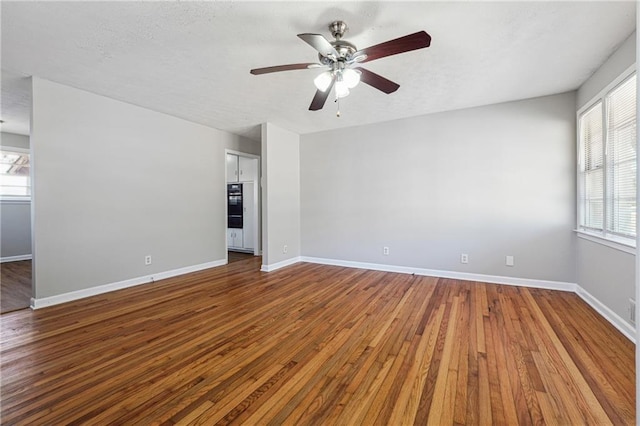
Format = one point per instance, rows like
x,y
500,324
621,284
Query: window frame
x,y
18,198
603,236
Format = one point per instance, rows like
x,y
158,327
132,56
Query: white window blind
x,y
607,164
592,149
621,164
14,174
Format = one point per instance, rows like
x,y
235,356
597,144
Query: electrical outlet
x,y
285,249
508,261
385,251
632,311
147,259
464,258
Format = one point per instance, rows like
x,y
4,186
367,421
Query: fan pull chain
x,y
338,102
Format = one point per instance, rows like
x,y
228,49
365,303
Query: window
x,y
607,164
14,174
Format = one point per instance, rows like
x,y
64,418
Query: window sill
x,y
15,200
612,242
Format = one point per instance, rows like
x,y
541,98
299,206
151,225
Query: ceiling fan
x,y
340,59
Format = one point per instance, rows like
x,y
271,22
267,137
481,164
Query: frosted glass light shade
x,y
351,77
342,90
323,81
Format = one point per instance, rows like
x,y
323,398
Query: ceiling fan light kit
x,y
323,81
340,60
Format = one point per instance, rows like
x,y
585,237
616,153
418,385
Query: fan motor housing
x,y
344,48
345,51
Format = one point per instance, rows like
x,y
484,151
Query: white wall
x,y
15,216
606,273
489,181
280,196
114,182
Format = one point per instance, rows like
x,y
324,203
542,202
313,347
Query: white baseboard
x,y
274,266
493,279
623,326
15,258
94,291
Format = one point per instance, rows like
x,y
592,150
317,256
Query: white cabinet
x,y
234,238
241,169
232,168
247,169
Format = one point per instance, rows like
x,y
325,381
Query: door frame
x,y
257,200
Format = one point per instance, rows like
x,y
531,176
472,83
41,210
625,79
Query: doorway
x,y
15,291
15,223
243,203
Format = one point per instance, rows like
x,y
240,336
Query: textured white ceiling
x,y
192,59
15,103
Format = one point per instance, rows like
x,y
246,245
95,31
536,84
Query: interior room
x,y
318,212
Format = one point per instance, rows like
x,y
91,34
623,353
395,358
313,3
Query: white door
x,y
248,206
247,169
232,168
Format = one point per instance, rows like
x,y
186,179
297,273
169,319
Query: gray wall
x,y
14,141
489,181
606,273
15,216
245,145
281,194
15,228
114,182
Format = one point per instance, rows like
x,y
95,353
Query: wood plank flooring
x,y
15,285
312,344
236,256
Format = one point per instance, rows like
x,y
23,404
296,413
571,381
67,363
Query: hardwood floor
x,y
313,344
236,256
15,285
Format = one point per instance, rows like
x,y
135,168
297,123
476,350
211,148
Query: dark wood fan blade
x,y
266,70
321,44
377,81
321,97
407,43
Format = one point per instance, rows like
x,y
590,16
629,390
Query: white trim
x,y
257,186
278,265
15,148
623,326
608,88
93,291
492,279
15,258
240,153
15,199
599,239
601,97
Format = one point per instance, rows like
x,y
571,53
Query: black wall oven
x,y
234,205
